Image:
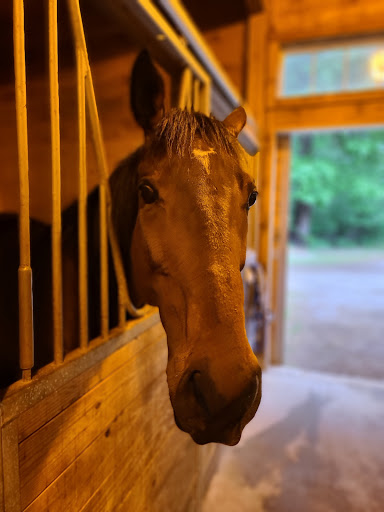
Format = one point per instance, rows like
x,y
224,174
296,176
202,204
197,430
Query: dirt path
x,y
335,311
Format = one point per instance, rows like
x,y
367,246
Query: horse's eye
x,y
148,193
252,198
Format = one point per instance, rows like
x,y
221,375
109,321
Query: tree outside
x,y
337,189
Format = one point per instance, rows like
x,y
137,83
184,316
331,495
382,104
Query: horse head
x,y
187,249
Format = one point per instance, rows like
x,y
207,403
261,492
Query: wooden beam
x,y
312,20
280,248
328,112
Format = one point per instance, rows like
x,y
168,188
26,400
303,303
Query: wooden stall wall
x,y
102,437
97,433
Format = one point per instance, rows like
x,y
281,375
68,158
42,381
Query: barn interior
x,y
94,428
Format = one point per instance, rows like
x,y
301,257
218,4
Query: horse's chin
x,y
227,433
229,437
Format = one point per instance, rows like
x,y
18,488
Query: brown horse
x,y
179,208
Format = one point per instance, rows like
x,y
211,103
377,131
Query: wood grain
x,y
10,456
315,19
50,450
123,450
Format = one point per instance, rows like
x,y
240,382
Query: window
x,y
333,68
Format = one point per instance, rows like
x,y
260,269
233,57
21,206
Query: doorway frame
x,y
282,118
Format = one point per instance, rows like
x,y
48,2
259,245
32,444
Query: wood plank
x,y
21,397
280,240
356,111
310,19
45,454
267,212
125,447
228,44
256,64
168,483
10,461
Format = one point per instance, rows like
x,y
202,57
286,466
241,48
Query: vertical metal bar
x,y
25,271
185,100
74,9
57,288
205,102
102,161
82,204
196,95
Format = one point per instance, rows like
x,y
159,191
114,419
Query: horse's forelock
x,y
178,130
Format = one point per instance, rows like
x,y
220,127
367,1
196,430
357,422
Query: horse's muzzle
x,y
209,415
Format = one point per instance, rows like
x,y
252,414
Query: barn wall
x,y
228,43
309,19
98,432
121,134
100,435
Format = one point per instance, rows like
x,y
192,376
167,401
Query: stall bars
x,y
194,91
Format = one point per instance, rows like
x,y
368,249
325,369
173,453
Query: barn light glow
x,y
377,66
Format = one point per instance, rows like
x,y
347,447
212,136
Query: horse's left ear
x,y
147,92
235,121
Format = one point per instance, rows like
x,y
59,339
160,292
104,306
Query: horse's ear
x,y
235,121
147,92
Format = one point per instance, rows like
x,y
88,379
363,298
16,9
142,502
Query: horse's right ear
x,y
147,92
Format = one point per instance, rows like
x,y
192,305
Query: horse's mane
x,y
178,129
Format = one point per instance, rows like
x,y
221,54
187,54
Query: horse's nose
x,y
230,404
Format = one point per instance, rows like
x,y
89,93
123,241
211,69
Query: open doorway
x,y
334,318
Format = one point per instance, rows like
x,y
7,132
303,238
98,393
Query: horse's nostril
x,y
197,385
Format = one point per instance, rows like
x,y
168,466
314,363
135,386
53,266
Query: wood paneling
x,y
50,450
120,132
228,43
319,19
105,441
324,112
10,467
280,247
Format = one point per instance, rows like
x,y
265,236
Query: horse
x,y
180,205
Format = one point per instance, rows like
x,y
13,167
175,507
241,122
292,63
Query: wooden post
x,y
267,215
280,248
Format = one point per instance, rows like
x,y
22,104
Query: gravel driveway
x,y
335,311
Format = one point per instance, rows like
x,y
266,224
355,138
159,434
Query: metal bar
x,y
82,204
25,271
185,89
205,101
196,95
57,285
97,138
155,22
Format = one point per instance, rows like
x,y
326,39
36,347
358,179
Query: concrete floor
x,y
315,445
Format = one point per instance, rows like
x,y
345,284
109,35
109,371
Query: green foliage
x,y
341,175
